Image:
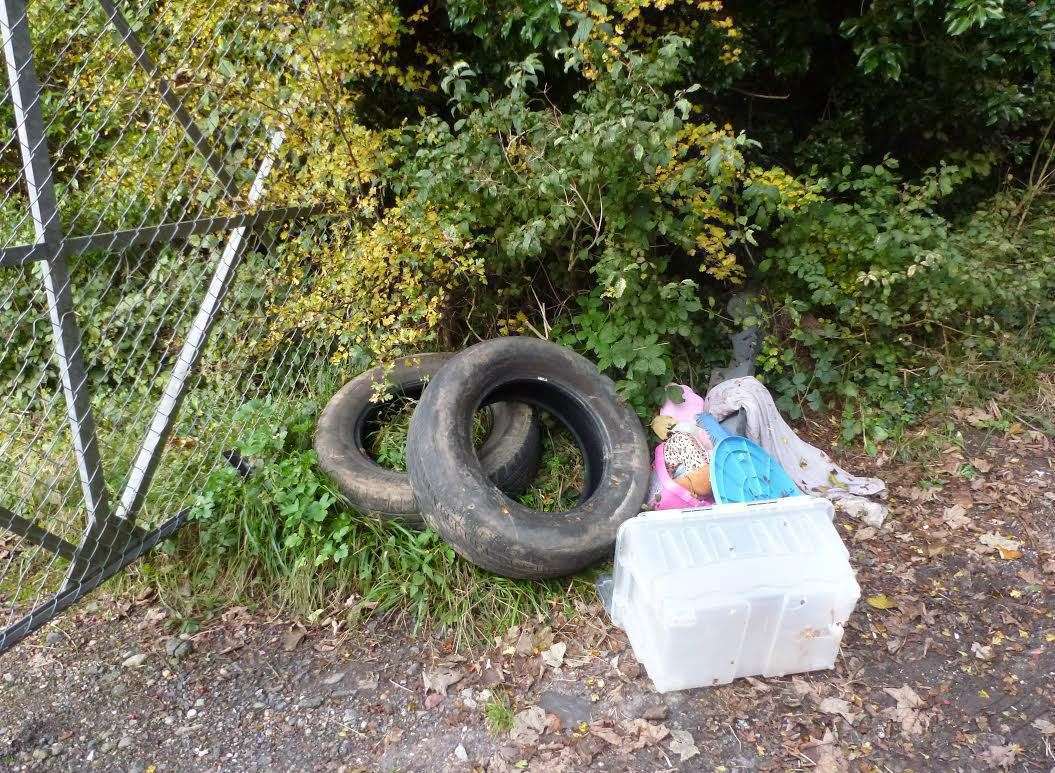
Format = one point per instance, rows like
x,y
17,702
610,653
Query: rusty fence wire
x,y
140,241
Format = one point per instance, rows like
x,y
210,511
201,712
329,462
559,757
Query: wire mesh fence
x,y
147,198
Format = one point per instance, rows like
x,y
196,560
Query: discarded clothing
x,y
812,469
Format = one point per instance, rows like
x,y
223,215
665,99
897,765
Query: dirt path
x,y
949,665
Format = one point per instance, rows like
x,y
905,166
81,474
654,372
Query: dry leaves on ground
x,y
838,706
1006,547
1000,756
1045,726
682,744
439,679
908,711
554,656
528,726
636,734
826,754
955,517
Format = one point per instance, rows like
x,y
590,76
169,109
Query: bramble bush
x,y
604,174
872,292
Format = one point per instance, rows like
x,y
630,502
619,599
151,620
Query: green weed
x,y
559,482
283,538
498,713
387,439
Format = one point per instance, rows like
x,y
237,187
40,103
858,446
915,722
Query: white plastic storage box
x,y
707,595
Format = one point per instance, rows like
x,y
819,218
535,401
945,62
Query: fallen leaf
x,y
981,465
758,685
1000,542
438,680
641,733
838,706
917,494
681,743
554,656
662,425
605,733
908,711
1000,756
1031,577
1045,726
955,517
864,534
553,723
525,643
528,726
543,638
871,513
982,652
1009,554
831,759
292,639
826,756
807,689
881,601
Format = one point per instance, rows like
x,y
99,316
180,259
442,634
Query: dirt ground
x,y
948,664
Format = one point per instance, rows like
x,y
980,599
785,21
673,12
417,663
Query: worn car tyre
x,y
509,455
471,513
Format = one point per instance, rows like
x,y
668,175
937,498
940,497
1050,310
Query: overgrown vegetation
x,y
877,176
282,536
606,175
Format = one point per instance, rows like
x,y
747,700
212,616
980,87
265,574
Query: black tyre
x,y
471,513
509,454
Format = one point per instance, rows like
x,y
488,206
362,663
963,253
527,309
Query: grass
x,y
498,714
387,439
559,482
281,539
556,488
1009,390
284,539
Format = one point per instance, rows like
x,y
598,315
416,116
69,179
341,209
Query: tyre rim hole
x,y
383,430
561,478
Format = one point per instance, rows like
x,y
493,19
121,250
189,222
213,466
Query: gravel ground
x,y
948,664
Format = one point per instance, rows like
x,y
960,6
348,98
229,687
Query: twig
x,y
760,96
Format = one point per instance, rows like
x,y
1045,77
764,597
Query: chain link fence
x,y
144,207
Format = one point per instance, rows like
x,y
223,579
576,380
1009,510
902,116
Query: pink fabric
x,y
670,495
687,410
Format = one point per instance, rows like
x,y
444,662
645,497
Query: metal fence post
x,y
40,185
153,443
110,539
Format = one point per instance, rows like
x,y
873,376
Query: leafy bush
x,y
609,201
587,171
867,286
